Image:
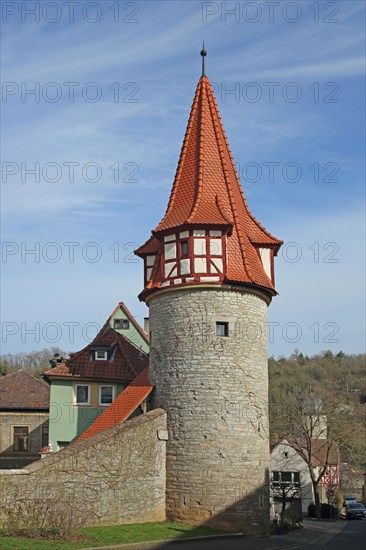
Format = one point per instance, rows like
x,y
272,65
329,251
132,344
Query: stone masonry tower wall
x,y
215,391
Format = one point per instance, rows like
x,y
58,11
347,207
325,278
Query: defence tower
x,y
209,277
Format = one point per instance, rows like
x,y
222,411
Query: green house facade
x,y
124,323
68,419
85,384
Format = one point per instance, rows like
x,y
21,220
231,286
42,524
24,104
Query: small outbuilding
x,y
290,481
24,412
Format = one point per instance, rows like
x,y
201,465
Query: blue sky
x,y
113,85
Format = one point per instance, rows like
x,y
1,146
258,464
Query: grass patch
x,y
111,535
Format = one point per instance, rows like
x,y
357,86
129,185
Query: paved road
x,y
350,535
353,537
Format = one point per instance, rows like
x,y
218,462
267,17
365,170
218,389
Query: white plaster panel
x,y
150,260
218,264
165,283
184,234
169,238
216,247
199,247
265,254
199,232
148,273
189,279
168,267
185,268
177,281
209,279
170,251
215,233
200,265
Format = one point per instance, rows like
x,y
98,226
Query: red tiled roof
x,y
151,246
122,407
319,451
21,390
207,191
127,361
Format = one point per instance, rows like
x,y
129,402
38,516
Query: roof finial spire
x,y
203,54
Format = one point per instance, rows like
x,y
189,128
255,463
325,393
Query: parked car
x,y
354,510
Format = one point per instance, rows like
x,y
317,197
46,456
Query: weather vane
x,y
203,54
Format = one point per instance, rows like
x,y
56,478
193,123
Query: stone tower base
x,y
215,391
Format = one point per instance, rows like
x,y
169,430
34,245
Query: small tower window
x,y
101,355
222,328
184,248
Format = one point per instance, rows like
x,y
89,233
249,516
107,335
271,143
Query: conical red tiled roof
x,y
207,191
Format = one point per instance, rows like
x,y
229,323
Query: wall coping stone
x,y
13,472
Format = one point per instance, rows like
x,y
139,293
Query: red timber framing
x,y
191,255
331,476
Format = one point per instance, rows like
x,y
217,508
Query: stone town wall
x,y
117,476
215,392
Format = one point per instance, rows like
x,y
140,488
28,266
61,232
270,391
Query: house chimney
x,y
146,325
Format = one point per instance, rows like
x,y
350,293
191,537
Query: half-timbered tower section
x,y
209,278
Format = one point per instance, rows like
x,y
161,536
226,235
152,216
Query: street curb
x,y
147,544
327,535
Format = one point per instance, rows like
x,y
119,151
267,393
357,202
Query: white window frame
x,y
26,426
280,481
48,435
105,355
100,394
75,394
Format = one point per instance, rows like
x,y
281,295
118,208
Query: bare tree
x,y
315,427
34,362
285,488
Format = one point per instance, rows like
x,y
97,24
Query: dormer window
x,y
101,352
